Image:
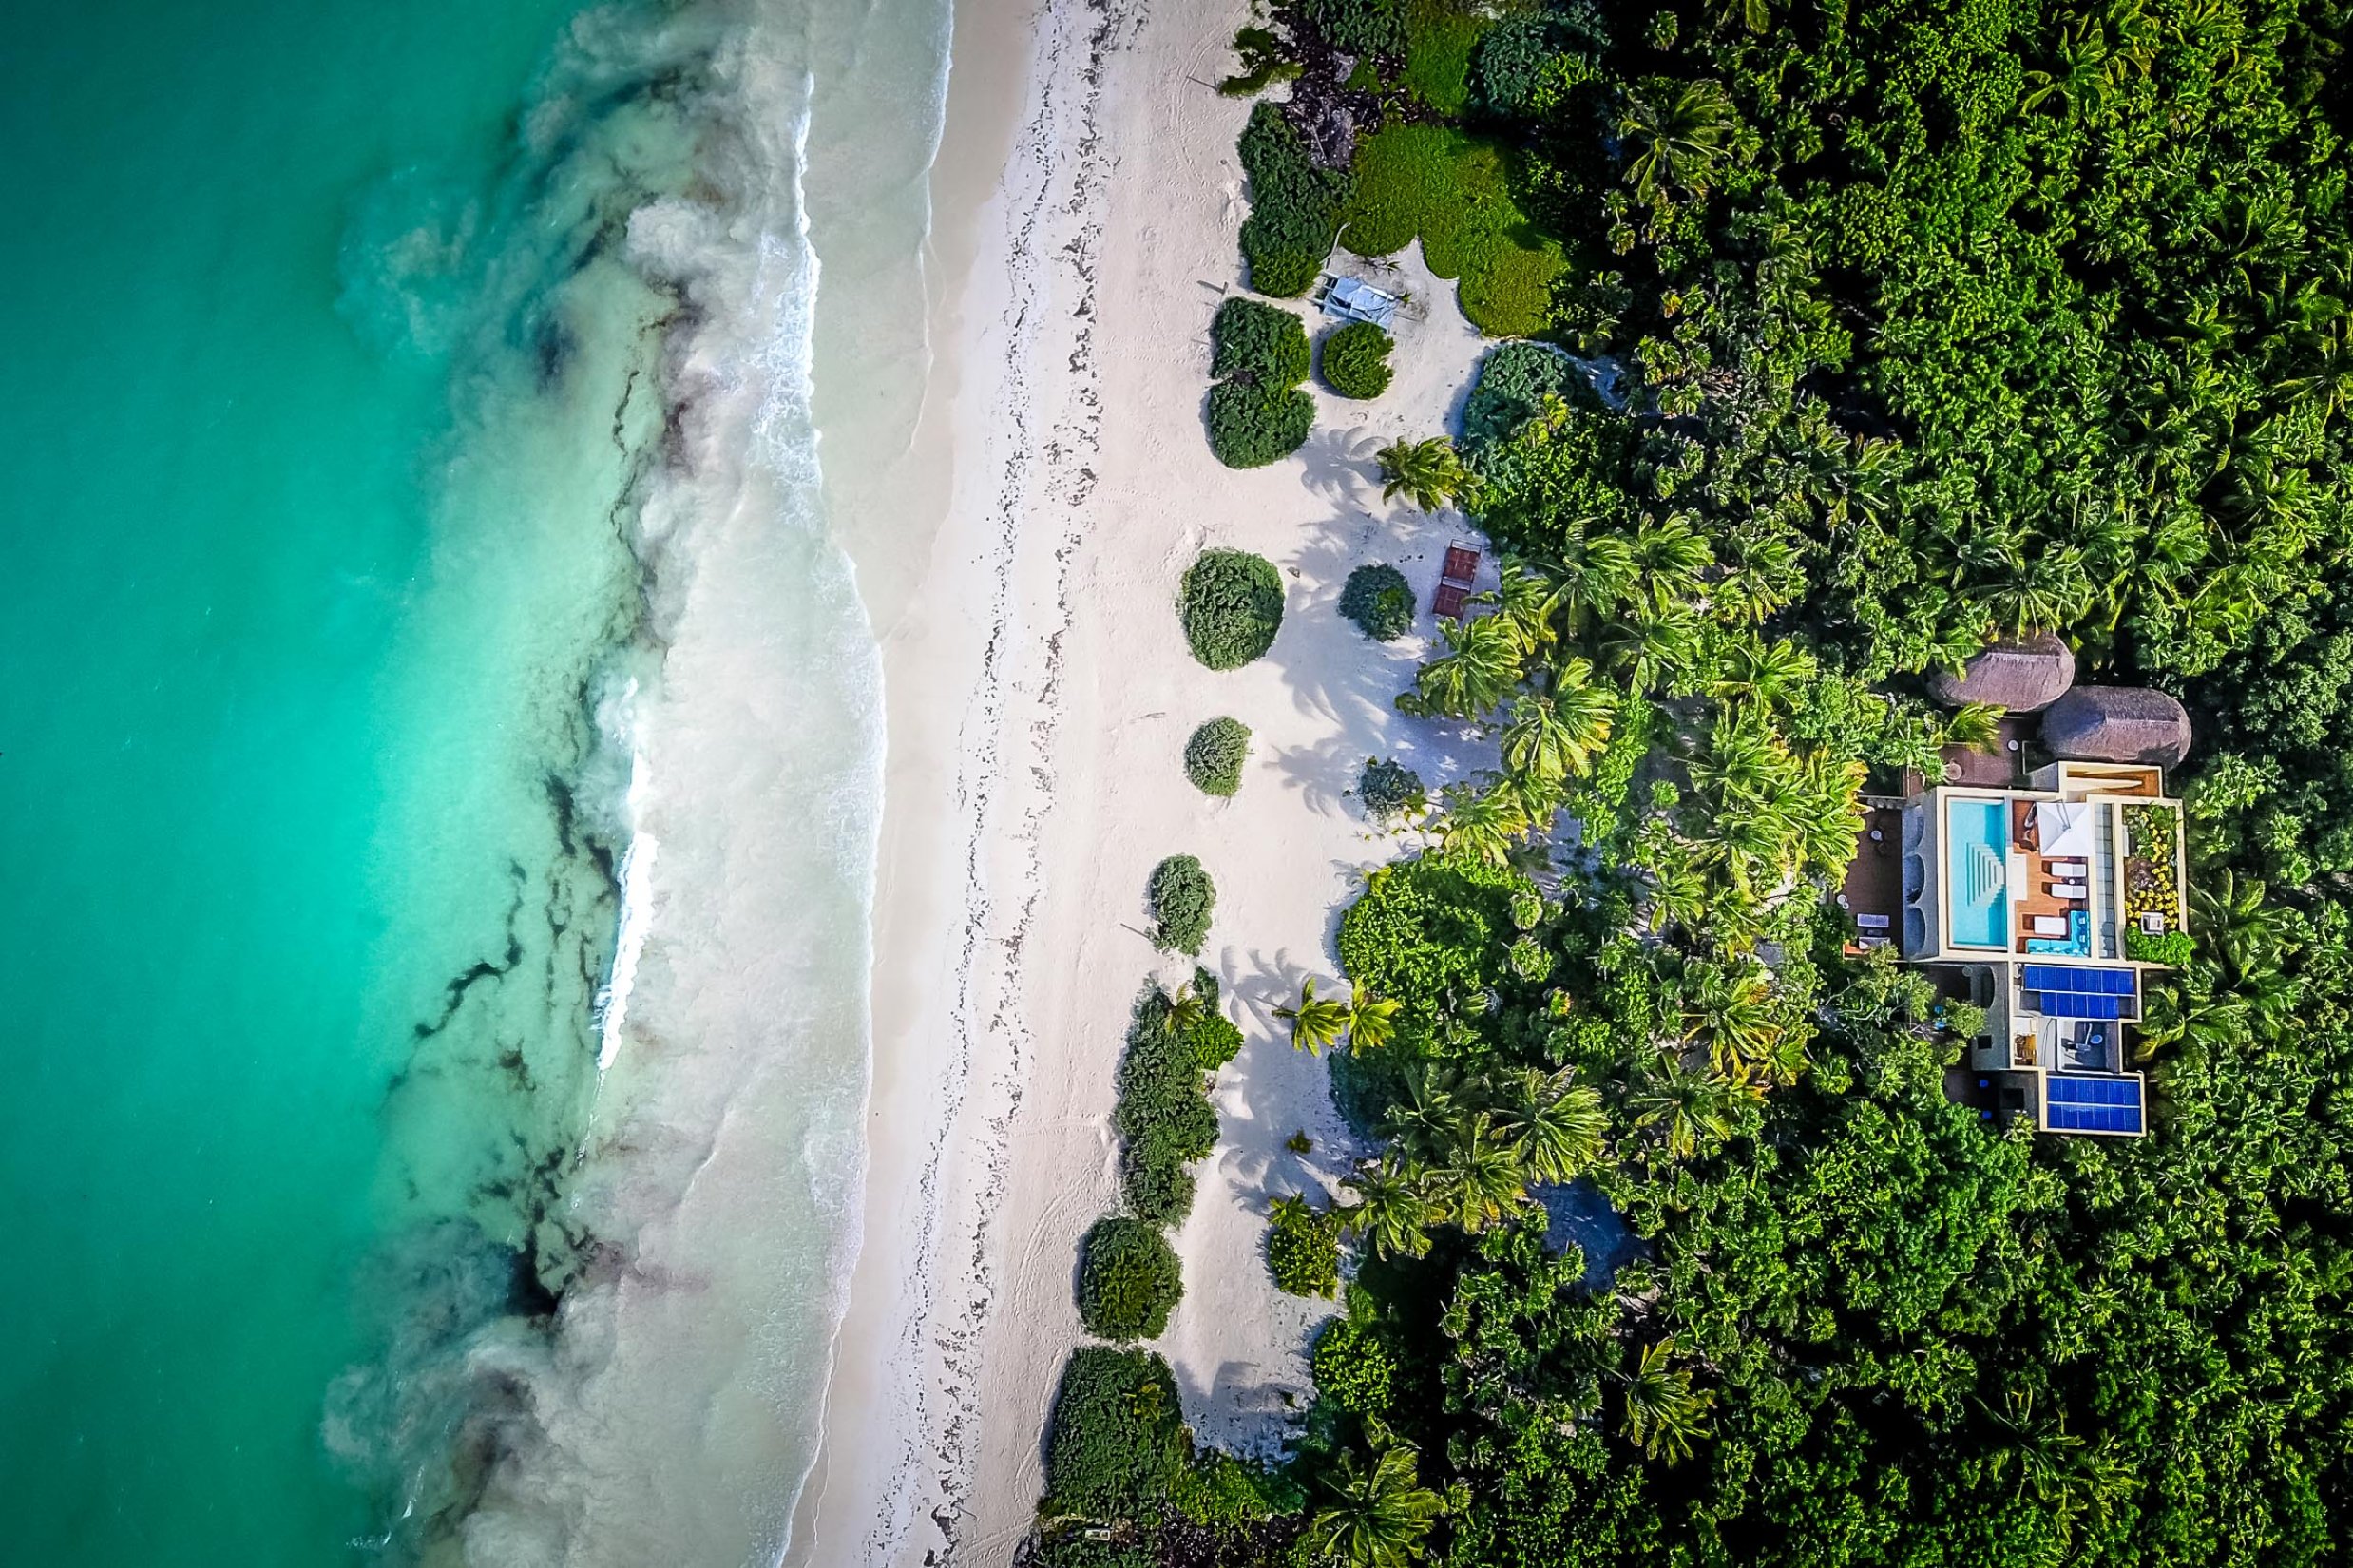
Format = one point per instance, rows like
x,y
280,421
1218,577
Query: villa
x,y
2048,902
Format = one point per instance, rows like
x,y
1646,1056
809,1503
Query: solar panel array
x,y
2073,1104
2068,977
2063,990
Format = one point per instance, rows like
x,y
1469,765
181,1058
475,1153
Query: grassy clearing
x,y
1452,192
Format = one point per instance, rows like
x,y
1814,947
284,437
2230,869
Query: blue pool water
x,y
1977,893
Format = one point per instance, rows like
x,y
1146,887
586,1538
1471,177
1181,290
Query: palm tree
x,y
1372,1021
1684,1107
1977,725
1672,559
1554,735
1485,823
1185,1010
1317,1023
1680,139
1647,653
2046,594
1479,669
1428,473
1477,1179
1553,1127
1376,1516
1391,1211
1663,1411
1732,1014
1765,671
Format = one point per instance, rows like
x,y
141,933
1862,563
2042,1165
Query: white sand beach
x,y
1040,693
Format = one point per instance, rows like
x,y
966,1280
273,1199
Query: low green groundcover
x,y
1251,426
1356,360
1182,899
1379,600
1128,1281
1232,606
1214,757
1452,192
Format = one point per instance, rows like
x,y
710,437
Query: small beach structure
x,y
1455,581
1354,300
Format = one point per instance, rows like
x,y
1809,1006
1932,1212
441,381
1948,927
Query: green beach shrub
x,y
1439,40
1216,1041
1182,900
1357,27
1116,1443
1262,62
1075,1548
1379,600
2173,949
1303,1249
1390,790
1232,606
1260,342
1251,426
1214,755
1356,360
1163,1117
1352,1369
1453,192
1294,206
1128,1280
1513,382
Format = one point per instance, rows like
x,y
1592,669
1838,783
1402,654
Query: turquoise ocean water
x,y
336,400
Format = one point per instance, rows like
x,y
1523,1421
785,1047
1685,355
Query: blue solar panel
x,y
2066,977
2063,1004
2073,1104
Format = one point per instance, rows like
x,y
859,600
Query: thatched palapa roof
x,y
2117,724
2022,676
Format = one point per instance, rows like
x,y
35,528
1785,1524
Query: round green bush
x,y
1379,600
1128,1280
1303,1249
1257,341
1214,754
1116,1443
1232,606
1390,790
1251,426
1182,899
1216,1041
1352,1369
1156,1184
1356,360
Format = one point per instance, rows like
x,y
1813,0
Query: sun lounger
x,y
1462,565
2071,871
2073,891
1449,601
2050,925
1873,922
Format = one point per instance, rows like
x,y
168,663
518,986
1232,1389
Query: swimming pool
x,y
1977,873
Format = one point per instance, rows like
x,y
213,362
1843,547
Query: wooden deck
x,y
1874,884
2036,899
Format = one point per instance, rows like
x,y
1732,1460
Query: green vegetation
x,y
1163,1117
1294,206
1452,191
1303,1249
1260,342
1932,323
1182,900
1128,1279
1515,382
1390,790
1251,426
1256,411
1232,606
1379,600
1440,36
1214,754
1428,472
1263,65
1356,360
1117,1446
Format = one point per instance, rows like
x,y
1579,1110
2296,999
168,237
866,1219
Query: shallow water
x,y
357,574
